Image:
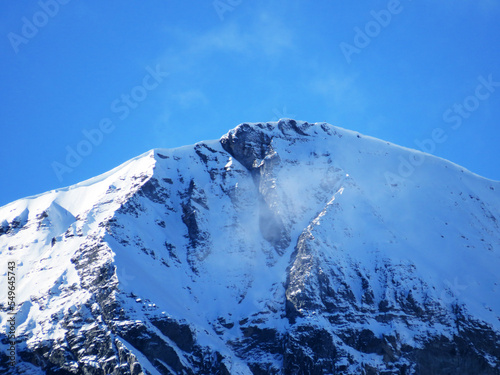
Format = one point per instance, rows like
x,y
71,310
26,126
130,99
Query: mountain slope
x,y
283,247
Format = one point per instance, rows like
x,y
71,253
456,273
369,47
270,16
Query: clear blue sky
x,y
166,73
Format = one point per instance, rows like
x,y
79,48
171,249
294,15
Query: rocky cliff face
x,y
282,248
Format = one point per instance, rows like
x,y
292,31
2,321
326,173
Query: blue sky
x,y
108,81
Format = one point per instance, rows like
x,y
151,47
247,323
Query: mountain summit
x,y
282,248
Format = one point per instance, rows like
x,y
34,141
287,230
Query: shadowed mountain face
x,y
282,248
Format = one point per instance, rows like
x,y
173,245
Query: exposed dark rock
x,y
154,191
179,333
153,347
309,350
246,145
459,356
253,149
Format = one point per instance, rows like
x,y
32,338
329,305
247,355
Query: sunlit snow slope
x,y
283,247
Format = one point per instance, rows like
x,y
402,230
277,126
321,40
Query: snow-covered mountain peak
x,y
283,247
80,198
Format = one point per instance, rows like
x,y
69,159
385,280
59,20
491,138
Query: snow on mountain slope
x,y
283,247
44,232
